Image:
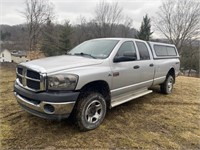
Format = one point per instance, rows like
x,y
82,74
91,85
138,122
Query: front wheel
x,y
167,86
90,111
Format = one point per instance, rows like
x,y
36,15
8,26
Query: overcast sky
x,y
73,9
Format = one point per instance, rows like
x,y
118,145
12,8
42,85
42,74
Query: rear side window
x,y
162,50
143,51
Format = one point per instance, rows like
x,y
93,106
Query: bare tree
x,y
126,27
82,32
36,13
190,58
107,15
179,21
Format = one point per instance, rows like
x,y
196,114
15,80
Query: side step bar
x,y
129,97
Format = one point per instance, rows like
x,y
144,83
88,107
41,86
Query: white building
x,y
192,73
19,56
5,56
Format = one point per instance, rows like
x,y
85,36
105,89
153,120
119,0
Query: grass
x,y
154,121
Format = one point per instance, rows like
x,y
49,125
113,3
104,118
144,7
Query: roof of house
x,y
18,53
191,71
1,51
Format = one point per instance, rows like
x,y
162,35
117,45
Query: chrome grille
x,y
30,79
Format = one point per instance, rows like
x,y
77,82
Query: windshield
x,y
95,48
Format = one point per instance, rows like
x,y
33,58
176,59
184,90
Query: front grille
x,y
19,70
33,84
20,78
33,74
30,79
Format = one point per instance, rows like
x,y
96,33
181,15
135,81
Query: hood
x,y
58,63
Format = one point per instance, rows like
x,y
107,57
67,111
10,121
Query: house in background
x,y
5,56
191,73
19,56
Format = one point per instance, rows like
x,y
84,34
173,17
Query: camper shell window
x,y
162,50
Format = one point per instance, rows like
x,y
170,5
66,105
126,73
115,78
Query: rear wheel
x,y
167,86
90,111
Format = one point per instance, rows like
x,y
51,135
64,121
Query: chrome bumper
x,y
43,107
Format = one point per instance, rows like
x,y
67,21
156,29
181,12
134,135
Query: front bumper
x,y
44,104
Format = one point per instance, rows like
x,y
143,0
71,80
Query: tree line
x,y
178,21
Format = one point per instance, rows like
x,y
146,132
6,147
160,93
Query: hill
x,y
154,121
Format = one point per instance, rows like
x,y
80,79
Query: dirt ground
x,y
154,121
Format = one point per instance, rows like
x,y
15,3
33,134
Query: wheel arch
x,y
172,73
100,86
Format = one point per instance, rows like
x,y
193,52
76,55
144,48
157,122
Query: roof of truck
x,y
122,39
115,38
158,43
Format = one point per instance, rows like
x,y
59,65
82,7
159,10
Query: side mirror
x,y
123,58
127,56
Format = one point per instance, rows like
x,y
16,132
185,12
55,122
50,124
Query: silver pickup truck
x,y
94,76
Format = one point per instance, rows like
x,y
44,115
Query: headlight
x,y
62,82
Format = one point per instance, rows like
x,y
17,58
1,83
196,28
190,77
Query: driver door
x,y
126,72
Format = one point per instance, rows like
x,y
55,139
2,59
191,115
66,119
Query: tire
x,y
90,111
167,86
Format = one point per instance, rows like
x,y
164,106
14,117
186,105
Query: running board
x,y
128,97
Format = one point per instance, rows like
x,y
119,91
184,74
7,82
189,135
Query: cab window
x,y
126,47
143,51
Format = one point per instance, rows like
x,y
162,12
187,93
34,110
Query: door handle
x,y
136,67
151,65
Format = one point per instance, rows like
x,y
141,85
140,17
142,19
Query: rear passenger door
x,y
145,62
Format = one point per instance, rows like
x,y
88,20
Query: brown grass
x,y
154,121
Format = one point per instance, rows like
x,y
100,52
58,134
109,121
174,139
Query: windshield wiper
x,y
84,54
